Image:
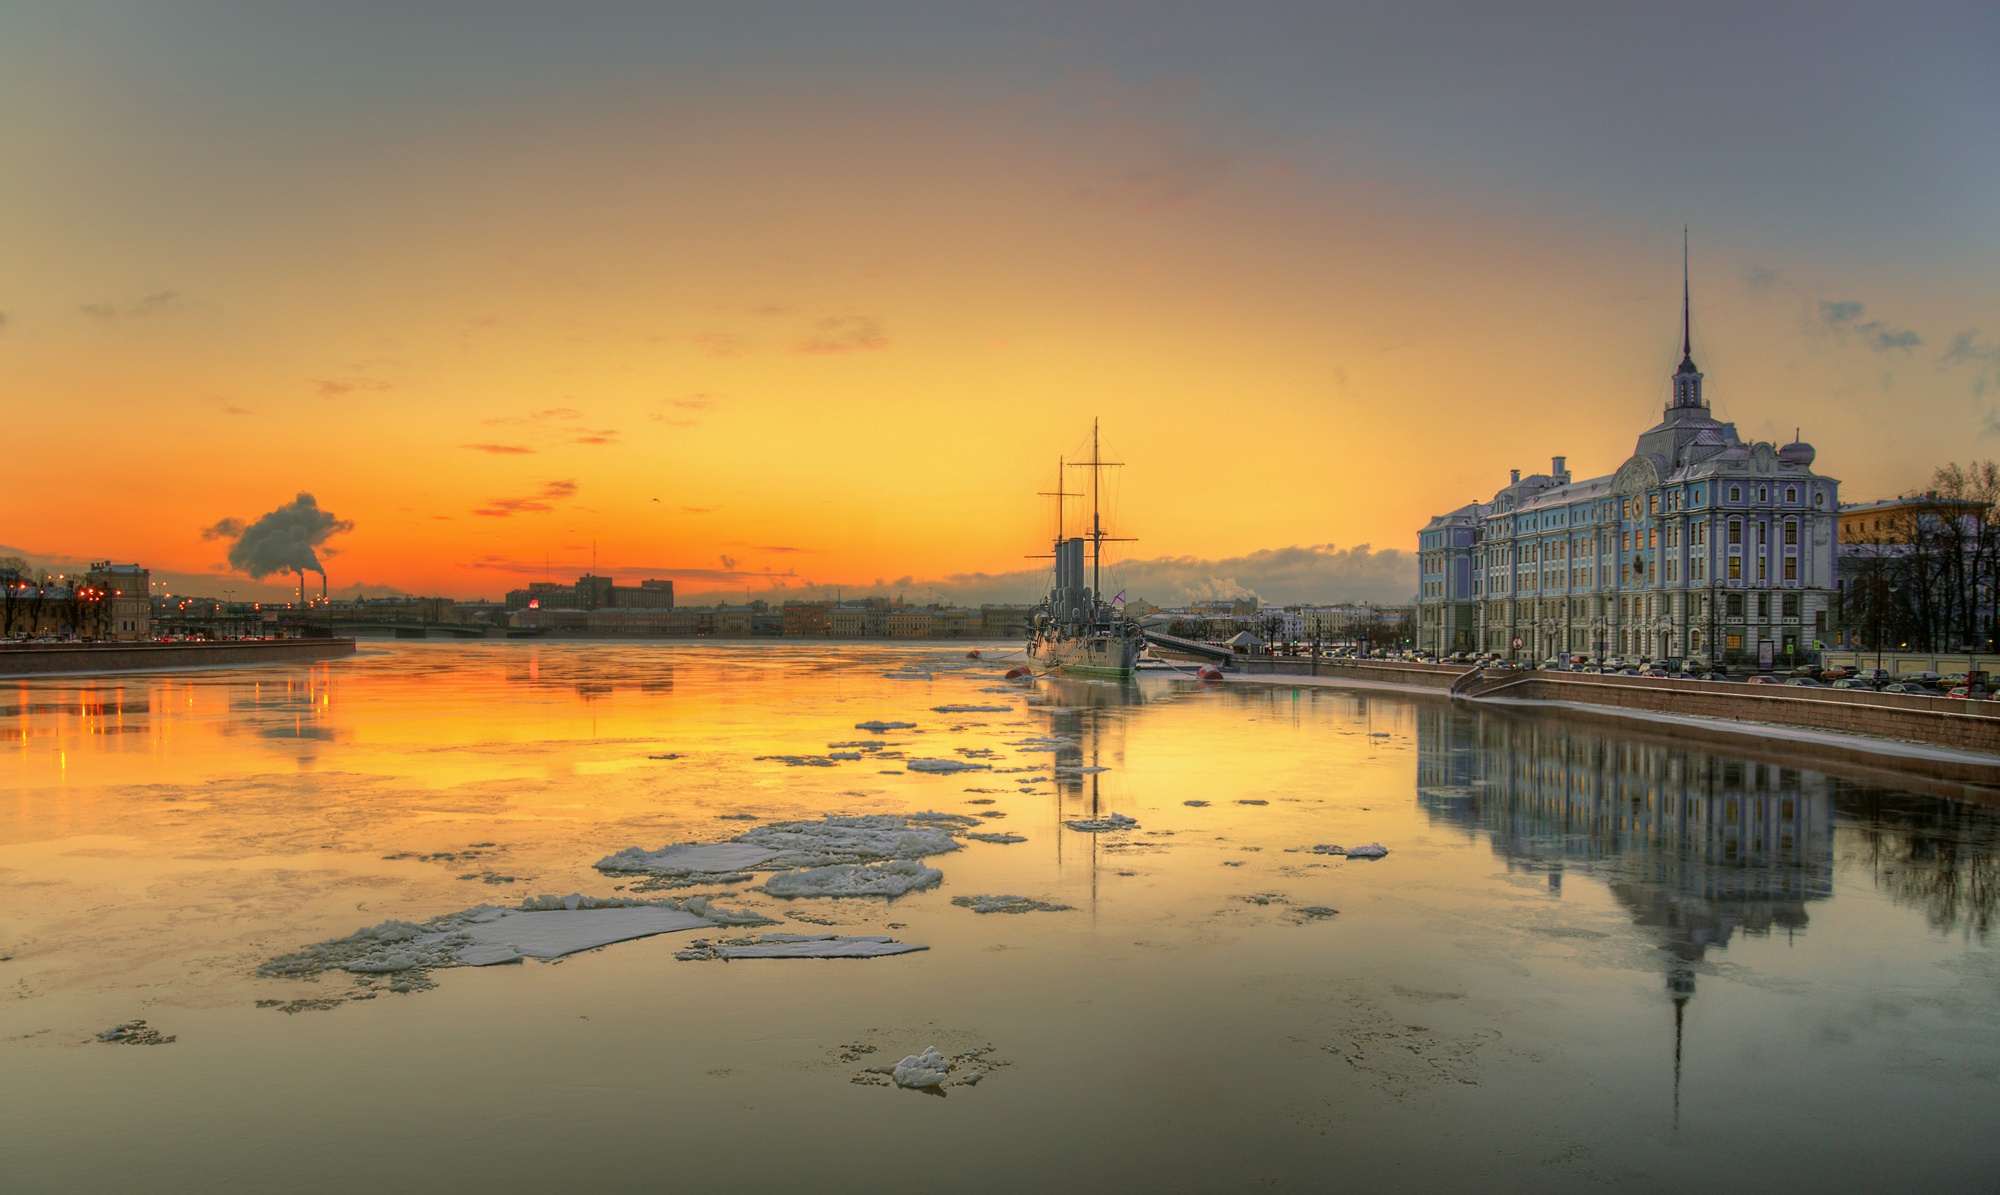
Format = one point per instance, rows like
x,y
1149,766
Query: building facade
x,y
1698,547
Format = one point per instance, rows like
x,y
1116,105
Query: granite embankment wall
x,y
1934,721
40,660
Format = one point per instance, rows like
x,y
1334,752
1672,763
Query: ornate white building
x,y
1699,547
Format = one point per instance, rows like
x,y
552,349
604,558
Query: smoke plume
x,y
283,541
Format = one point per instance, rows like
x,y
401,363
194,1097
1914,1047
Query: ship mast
x,y
1096,464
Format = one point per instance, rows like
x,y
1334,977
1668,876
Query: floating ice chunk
x,y
798,761
705,858
907,674
939,766
858,745
858,839
1007,904
1003,839
927,1069
843,755
1373,850
1196,804
879,727
1327,848
1316,912
1045,742
135,1033
557,932
893,878
797,946
1079,770
972,709
1252,801
668,755
1110,821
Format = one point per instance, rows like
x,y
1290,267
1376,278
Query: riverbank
x,y
96,658
1911,737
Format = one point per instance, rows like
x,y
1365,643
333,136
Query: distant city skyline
x,y
821,296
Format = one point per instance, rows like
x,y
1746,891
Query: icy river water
x,y
1586,960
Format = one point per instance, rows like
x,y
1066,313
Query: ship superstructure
x,y
1075,632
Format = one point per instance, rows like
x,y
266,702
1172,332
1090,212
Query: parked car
x,y
1968,693
1803,682
1862,685
1878,675
1899,687
1761,679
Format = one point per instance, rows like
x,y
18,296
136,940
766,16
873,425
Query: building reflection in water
x,y
1698,848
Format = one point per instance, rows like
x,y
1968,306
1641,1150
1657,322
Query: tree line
x,y
36,602
1924,574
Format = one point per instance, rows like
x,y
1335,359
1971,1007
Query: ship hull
x,y
1106,656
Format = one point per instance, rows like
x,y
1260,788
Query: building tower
x,y
1687,379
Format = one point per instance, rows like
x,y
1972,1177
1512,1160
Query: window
x,y
1819,500
1791,605
1763,569
1735,531
1763,494
1732,642
1763,605
1733,604
1655,506
1736,568
1791,493
1792,532
1761,528
1736,493
1791,568
1626,540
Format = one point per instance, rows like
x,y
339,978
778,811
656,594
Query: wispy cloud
x,y
157,303
607,435
532,418
698,510
1843,318
501,449
538,502
843,334
1981,356
223,529
720,344
335,387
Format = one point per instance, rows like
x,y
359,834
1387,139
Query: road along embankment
x,y
1931,737
61,658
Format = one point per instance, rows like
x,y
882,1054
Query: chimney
x,y
1558,471
1517,477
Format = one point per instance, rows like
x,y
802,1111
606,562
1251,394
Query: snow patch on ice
x,y
704,858
891,879
1373,850
1003,839
971,709
927,1069
1007,904
796,946
879,727
943,766
1098,825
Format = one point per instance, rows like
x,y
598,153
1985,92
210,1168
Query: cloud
x,y
1843,318
698,510
699,402
728,562
157,303
1966,349
533,417
551,492
334,388
1310,573
779,548
719,344
283,540
501,449
606,436
844,334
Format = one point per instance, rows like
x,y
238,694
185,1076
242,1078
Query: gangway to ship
x,y
1189,647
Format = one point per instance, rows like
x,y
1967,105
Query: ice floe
x,y
1098,825
972,709
927,1069
1044,742
1002,839
796,946
843,755
798,761
668,755
1196,804
859,745
1252,801
879,727
1007,904
891,879
907,674
542,927
1373,850
942,766
1079,769
861,839
135,1033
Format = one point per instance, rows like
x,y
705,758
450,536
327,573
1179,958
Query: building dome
x,y
1798,452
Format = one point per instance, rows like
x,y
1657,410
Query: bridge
x,y
1194,648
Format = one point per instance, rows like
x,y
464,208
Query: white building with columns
x,y
1698,547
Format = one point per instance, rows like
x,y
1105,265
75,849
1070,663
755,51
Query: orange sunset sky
x,y
758,296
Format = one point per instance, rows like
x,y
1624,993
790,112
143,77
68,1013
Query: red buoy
x,y
973,654
1016,673
1208,672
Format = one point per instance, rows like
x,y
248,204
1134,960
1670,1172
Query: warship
x,y
1074,631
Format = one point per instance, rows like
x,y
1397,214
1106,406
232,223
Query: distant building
x,y
1010,622
593,593
806,618
911,622
1699,546
125,590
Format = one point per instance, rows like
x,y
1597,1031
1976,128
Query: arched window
x,y
1736,493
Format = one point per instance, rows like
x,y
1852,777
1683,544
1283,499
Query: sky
x,y
775,299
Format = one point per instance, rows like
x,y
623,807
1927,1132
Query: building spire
x,y
1687,337
1687,378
